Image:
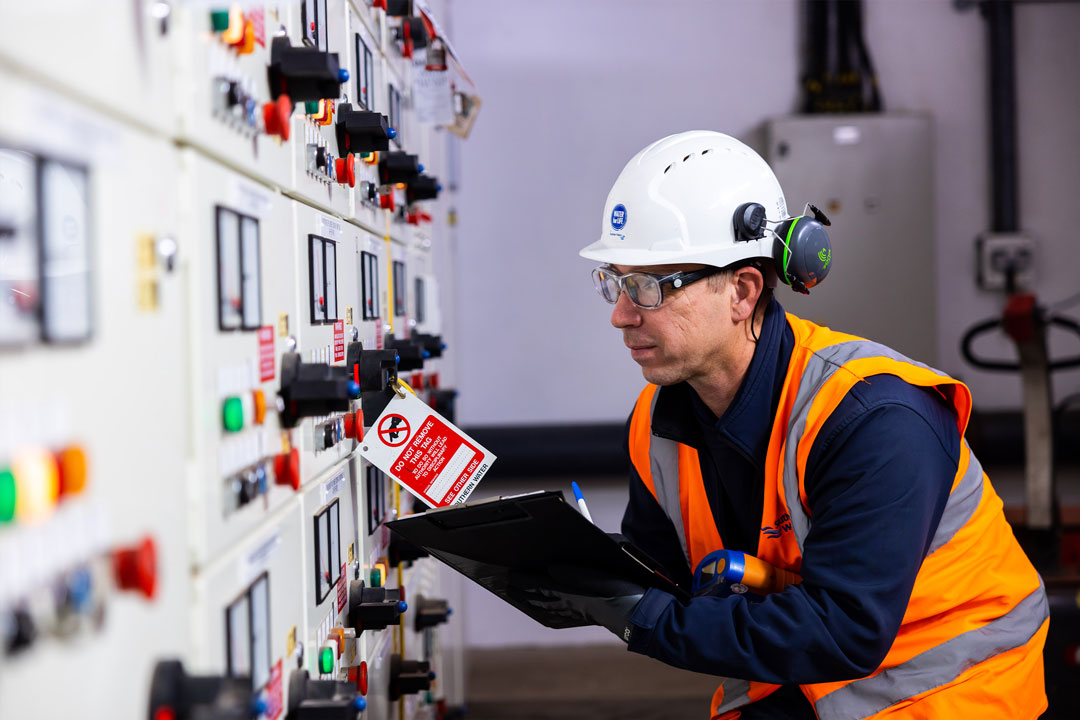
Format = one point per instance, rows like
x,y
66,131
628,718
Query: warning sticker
x,y
266,353
339,341
275,696
425,452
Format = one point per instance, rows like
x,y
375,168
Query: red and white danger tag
x,y
425,452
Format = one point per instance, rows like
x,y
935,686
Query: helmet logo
x,y
825,256
618,217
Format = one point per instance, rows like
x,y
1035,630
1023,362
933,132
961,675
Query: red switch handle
x,y
135,568
276,116
287,469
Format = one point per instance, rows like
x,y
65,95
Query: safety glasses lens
x,y
606,284
644,290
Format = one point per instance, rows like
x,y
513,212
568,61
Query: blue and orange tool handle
x,y
741,573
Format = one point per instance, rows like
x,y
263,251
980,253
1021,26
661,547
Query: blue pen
x,y
581,501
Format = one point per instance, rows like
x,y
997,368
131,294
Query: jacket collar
x,y
682,416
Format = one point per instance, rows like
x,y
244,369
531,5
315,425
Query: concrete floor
x,y
589,682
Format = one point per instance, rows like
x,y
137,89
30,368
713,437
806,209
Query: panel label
x,y
250,198
266,353
332,487
342,590
329,228
378,334
339,340
425,452
256,561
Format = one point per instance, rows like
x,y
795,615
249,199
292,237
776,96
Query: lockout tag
x,y
425,452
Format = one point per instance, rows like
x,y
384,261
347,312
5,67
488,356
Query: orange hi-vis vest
x,y
971,640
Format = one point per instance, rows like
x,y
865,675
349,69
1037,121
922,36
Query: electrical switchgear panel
x,y
189,357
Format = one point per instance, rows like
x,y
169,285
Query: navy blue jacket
x,y
877,480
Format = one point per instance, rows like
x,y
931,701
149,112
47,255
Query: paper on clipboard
x,y
425,452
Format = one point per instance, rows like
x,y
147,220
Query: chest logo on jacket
x,y
783,525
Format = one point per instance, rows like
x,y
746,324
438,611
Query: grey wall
x,y
573,89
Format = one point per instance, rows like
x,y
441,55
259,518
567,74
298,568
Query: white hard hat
x,y
675,201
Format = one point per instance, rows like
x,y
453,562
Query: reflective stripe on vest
x,y
939,665
819,369
664,464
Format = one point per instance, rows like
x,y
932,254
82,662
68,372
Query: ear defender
x,y
801,249
802,252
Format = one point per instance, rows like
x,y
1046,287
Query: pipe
x,y
999,16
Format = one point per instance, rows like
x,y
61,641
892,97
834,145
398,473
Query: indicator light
x,y
428,697
72,463
419,168
38,483
247,42
311,107
219,20
360,704
232,414
326,660
391,133
259,406
371,158
260,706
354,389
402,606
164,713
234,32
8,495
343,75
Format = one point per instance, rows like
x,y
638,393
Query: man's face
x,y
687,337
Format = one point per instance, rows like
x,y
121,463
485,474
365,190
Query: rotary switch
x,y
322,699
422,187
311,389
374,608
412,354
412,33
398,167
175,694
403,551
397,8
375,371
430,612
305,73
432,343
362,131
409,676
443,402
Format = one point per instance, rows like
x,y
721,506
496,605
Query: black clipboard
x,y
489,539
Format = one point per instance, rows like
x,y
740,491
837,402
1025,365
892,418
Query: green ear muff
x,y
802,253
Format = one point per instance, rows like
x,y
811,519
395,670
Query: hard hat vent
x,y
706,151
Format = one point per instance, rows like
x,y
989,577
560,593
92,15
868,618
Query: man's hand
x,y
580,594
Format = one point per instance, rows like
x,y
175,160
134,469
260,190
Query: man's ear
x,y
749,284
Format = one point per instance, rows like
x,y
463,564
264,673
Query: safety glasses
x,y
646,290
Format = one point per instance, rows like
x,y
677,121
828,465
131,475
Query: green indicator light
x,y
326,660
311,107
232,414
7,495
219,20
430,698
375,577
365,156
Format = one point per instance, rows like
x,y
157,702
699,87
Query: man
x,y
820,453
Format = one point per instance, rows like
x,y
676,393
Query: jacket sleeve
x,y
647,526
877,486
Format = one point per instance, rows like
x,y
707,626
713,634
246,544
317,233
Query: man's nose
x,y
625,313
